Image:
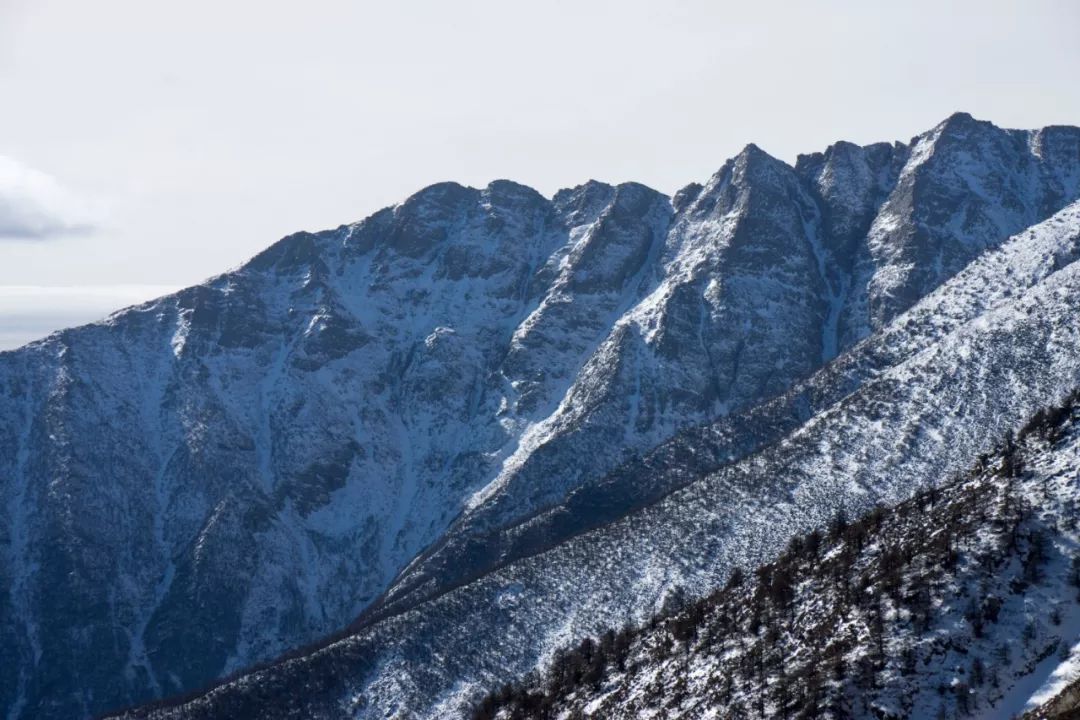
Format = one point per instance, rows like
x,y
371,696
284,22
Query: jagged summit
x,y
751,153
384,416
961,118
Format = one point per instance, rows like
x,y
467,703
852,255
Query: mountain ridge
x,y
282,441
1040,262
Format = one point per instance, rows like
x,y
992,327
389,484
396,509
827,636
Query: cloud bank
x,y
34,206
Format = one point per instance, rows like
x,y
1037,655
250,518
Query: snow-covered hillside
x,y
390,415
962,602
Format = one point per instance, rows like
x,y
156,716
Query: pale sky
x,y
146,145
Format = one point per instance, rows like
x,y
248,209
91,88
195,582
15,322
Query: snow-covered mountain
x,y
961,381
493,422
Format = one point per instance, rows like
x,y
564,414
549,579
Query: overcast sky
x,y
148,145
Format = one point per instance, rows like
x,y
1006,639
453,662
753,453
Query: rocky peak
x,y
852,181
512,196
686,195
966,186
580,205
425,220
1057,148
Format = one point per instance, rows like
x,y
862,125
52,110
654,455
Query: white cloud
x,y
34,206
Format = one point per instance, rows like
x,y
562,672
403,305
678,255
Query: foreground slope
x,y
962,602
207,480
996,358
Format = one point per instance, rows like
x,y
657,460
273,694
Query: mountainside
x,y
963,602
880,443
487,409
990,283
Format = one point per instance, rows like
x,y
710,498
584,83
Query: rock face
x,y
417,416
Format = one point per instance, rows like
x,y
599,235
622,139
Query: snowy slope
x,y
1058,698
984,371
207,480
962,602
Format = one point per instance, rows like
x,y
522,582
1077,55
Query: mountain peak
x,y
753,154
960,117
446,194
512,195
686,195
961,125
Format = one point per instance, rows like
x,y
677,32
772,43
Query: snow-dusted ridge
x,y
212,478
915,400
994,279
